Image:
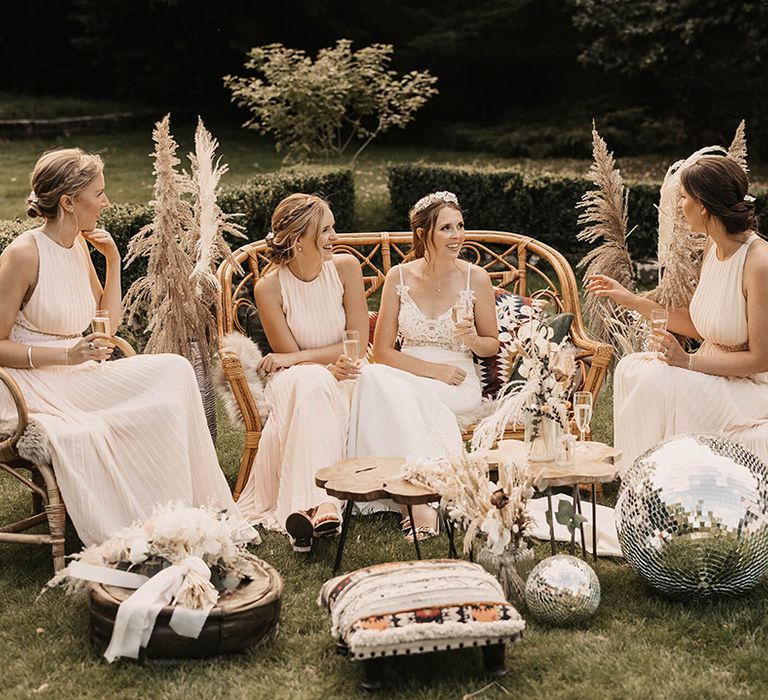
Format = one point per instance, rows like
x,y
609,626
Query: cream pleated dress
x,y
125,436
308,407
653,401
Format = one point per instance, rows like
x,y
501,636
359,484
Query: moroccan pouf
x,y
244,618
415,607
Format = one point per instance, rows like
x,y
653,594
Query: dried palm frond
x,y
210,226
605,217
738,148
166,290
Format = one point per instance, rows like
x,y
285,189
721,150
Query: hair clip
x,y
430,199
749,198
33,197
268,238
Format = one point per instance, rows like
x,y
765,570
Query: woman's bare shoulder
x,y
757,256
267,285
22,252
478,275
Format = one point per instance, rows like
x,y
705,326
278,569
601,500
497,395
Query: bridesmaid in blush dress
x,y
306,303
125,436
723,387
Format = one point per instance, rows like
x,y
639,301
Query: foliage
x,y
539,205
319,107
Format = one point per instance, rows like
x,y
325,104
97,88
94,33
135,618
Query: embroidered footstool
x,y
415,607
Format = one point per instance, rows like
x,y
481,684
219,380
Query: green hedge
x,y
255,199
542,206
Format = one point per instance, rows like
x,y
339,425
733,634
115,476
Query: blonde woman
x,y
428,385
126,436
306,303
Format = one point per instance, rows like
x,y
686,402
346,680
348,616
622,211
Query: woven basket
x,y
245,618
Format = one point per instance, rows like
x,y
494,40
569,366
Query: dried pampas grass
x,y
604,217
166,291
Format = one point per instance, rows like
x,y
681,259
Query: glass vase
x,y
545,444
511,569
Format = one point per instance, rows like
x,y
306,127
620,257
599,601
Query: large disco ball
x,y
692,517
562,590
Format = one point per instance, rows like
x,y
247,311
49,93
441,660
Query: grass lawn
x,y
637,646
129,169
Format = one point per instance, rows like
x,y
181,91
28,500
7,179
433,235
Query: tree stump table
x,y
365,479
594,464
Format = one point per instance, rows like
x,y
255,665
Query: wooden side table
x,y
364,479
594,464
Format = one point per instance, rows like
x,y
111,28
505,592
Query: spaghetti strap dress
x,y
308,408
125,436
653,401
399,414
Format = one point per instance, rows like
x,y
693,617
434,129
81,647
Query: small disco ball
x,y
692,517
562,590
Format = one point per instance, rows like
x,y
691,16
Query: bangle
x,y
29,357
66,355
690,361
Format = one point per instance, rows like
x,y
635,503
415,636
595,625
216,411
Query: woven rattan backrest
x,y
518,263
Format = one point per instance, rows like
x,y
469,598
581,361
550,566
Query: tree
x,y
320,107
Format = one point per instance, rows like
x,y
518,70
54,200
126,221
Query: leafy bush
x,y
319,107
542,206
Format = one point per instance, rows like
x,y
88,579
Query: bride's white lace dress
x,y
399,414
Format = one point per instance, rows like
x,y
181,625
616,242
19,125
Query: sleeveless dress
x,y
308,407
125,436
653,401
399,414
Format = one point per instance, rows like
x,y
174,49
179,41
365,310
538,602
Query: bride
x,y
423,382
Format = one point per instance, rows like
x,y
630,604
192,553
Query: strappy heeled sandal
x,y
423,532
326,523
299,527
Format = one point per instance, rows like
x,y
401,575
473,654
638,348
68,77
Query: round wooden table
x,y
365,479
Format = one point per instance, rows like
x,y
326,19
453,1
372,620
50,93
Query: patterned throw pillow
x,y
495,371
416,607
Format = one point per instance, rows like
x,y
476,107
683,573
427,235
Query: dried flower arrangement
x,y
172,534
183,244
499,510
547,368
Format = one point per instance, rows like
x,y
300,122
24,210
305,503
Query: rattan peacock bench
x,y
516,263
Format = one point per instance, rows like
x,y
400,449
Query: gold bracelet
x,y
29,357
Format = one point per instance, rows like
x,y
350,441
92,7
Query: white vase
x,y
545,445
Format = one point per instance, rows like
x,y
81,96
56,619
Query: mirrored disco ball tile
x,y
692,517
562,590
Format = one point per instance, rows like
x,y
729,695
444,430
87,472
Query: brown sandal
x,y
327,522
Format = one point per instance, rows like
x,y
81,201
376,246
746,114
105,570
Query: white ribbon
x,y
136,615
107,576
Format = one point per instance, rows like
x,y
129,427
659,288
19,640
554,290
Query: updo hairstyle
x,y
425,218
721,186
56,173
296,215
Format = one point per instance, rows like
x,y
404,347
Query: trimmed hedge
x,y
255,199
541,206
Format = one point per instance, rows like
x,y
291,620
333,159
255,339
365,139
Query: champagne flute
x,y
659,318
582,412
351,345
458,311
100,324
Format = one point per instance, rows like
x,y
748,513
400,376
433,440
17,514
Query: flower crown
x,y
430,199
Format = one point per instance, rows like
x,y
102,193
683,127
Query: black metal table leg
x,y
452,553
594,523
551,522
577,506
413,530
343,536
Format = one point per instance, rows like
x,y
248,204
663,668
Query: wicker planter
x,y
245,618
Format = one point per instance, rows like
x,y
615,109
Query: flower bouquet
x,y
180,556
540,398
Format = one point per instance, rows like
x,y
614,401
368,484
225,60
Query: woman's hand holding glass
x,y
670,351
464,325
349,362
94,346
